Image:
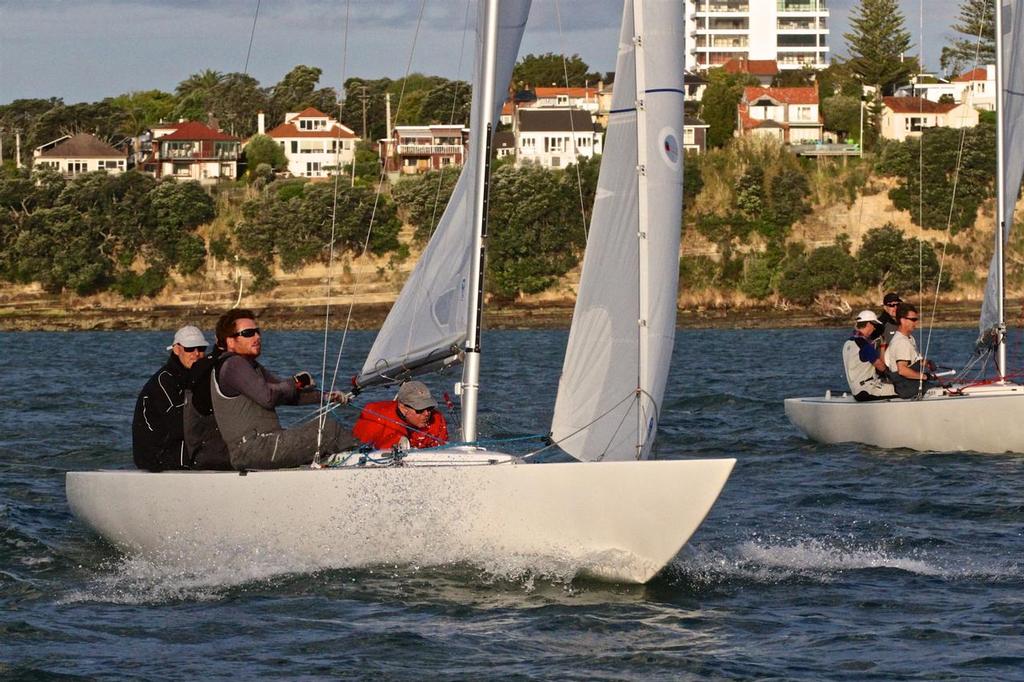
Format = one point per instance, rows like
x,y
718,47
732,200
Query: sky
x,y
86,50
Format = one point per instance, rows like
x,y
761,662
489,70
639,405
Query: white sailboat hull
x,y
988,420
619,521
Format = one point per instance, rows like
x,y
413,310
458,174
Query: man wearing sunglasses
x,y
157,436
887,323
412,415
245,395
906,372
865,369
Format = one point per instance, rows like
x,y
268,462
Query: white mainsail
x,y
623,326
1011,121
428,321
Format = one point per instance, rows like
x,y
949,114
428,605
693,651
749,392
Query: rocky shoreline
x,y
93,317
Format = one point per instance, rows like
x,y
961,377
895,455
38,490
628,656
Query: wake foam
x,y
774,560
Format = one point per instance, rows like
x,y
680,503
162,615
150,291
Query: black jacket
x,y
203,443
157,439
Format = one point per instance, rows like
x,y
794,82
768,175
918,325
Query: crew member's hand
x,y
338,397
303,380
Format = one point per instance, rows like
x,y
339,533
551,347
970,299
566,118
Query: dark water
x,y
818,562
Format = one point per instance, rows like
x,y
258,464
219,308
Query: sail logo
x,y
669,143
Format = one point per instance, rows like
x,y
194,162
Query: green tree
x,y
446,103
236,101
178,209
143,109
718,106
550,69
877,42
298,90
423,198
825,269
842,115
889,261
532,241
954,183
977,44
196,94
263,149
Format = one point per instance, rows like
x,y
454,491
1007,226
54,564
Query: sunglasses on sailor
x,y
912,319
425,410
194,349
248,333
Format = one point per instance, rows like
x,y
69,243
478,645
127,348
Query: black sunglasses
x,y
193,349
912,319
248,333
423,411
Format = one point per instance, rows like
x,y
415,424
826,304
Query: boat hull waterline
x,y
616,521
986,420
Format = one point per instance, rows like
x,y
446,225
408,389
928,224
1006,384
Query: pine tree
x,y
878,42
977,47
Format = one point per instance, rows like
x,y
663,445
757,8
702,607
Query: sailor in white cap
x,y
865,369
157,435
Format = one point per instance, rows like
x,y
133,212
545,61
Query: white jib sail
x,y
1012,122
429,316
623,327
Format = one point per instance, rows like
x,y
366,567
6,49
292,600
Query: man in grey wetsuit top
x,y
245,395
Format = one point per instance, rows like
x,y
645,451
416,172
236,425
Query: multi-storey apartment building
x,y
794,33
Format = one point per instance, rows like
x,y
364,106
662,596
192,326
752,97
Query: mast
x,y
643,264
1000,207
479,146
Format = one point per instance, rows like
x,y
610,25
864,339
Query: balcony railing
x,y
722,6
801,6
418,149
193,154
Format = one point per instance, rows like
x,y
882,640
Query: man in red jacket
x,y
412,415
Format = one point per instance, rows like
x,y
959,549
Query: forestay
x,y
1011,81
427,323
623,326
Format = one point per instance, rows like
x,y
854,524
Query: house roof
x,y
194,130
310,112
694,122
291,130
84,146
916,105
978,74
551,120
755,67
800,95
571,92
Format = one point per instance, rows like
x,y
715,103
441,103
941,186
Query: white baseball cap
x,y
867,316
189,336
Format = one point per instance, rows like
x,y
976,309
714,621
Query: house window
x,y
446,161
803,113
562,100
914,124
225,170
688,136
295,147
312,168
76,167
555,162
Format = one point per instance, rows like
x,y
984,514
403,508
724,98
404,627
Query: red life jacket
x,y
381,425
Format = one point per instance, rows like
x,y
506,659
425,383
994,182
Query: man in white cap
x,y
411,415
865,369
157,437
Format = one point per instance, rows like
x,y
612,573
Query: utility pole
x,y
17,148
2,147
861,140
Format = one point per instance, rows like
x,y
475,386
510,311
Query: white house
x,y
789,114
315,144
904,117
587,98
979,87
554,137
81,153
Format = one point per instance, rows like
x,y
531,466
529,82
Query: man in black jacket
x,y
157,436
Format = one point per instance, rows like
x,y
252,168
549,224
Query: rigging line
x,y
586,426
451,117
572,128
252,35
322,421
956,183
379,189
920,179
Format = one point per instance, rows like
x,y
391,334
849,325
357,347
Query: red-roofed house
x,y
788,114
192,151
979,87
419,149
314,143
764,70
904,117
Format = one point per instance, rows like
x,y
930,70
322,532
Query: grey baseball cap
x,y
416,395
